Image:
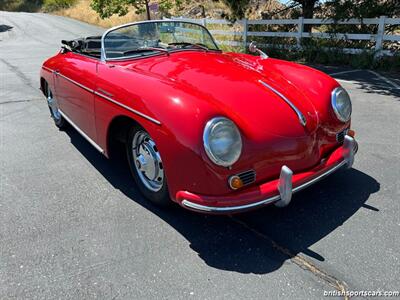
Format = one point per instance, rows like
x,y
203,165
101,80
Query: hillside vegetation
x,y
21,5
81,10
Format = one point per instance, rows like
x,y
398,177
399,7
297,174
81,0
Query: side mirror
x,y
253,49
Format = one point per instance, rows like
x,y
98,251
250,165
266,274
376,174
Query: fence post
x,y
245,28
379,36
300,28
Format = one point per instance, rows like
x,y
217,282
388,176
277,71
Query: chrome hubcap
x,y
53,105
148,162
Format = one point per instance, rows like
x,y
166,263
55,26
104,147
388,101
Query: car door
x,y
75,79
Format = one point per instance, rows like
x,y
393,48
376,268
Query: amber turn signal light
x,y
235,182
351,133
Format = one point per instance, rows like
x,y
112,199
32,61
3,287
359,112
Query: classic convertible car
x,y
215,132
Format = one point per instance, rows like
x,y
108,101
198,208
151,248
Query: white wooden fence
x,y
299,23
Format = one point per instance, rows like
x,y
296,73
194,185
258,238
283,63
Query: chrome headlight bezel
x,y
210,126
340,114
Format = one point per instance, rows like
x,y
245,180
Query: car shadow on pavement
x,y
377,82
252,242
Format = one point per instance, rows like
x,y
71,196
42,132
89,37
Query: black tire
x,y
159,197
59,121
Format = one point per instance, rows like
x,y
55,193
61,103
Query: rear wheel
x,y
146,166
54,108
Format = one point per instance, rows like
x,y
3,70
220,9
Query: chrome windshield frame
x,y
103,56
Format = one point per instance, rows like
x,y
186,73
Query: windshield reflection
x,y
148,38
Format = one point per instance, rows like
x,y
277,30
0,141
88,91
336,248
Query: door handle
x,y
56,72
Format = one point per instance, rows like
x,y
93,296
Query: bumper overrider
x,y
277,191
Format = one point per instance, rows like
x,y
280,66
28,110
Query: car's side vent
x,y
247,177
340,136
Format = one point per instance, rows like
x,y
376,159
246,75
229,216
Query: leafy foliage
x,y
336,9
53,5
21,5
107,8
315,52
346,9
238,8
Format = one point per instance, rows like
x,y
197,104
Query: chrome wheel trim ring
x,y
147,160
53,105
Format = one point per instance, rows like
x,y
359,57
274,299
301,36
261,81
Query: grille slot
x,y
247,177
340,136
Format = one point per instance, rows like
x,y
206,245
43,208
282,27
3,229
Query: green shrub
x,y
364,60
21,5
325,53
53,5
388,63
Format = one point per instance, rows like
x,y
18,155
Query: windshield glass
x,y
151,37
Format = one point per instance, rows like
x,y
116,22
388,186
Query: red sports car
x,y
213,131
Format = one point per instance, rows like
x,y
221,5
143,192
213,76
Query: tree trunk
x,y
308,12
147,10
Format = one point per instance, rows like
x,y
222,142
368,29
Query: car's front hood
x,y
242,90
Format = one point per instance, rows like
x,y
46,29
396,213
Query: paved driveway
x,y
73,226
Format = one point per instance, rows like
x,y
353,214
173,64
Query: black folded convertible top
x,y
89,46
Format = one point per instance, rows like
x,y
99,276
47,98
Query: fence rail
x,y
379,38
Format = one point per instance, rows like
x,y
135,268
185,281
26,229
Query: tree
x,y
307,7
359,9
347,9
107,8
238,8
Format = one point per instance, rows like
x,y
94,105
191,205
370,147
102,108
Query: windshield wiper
x,y
146,49
186,44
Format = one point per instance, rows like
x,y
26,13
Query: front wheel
x,y
54,108
146,166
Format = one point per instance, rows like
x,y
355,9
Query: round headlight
x,y
341,104
222,141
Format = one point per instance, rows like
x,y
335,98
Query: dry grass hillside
x,y
192,9
83,12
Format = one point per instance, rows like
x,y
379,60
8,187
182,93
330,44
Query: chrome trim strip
x,y
105,92
272,199
301,117
74,82
318,178
82,133
108,98
128,108
47,69
230,208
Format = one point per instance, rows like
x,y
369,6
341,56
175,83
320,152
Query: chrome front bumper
x,y
350,147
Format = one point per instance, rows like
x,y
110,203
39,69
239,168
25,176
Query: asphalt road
x,y
73,226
